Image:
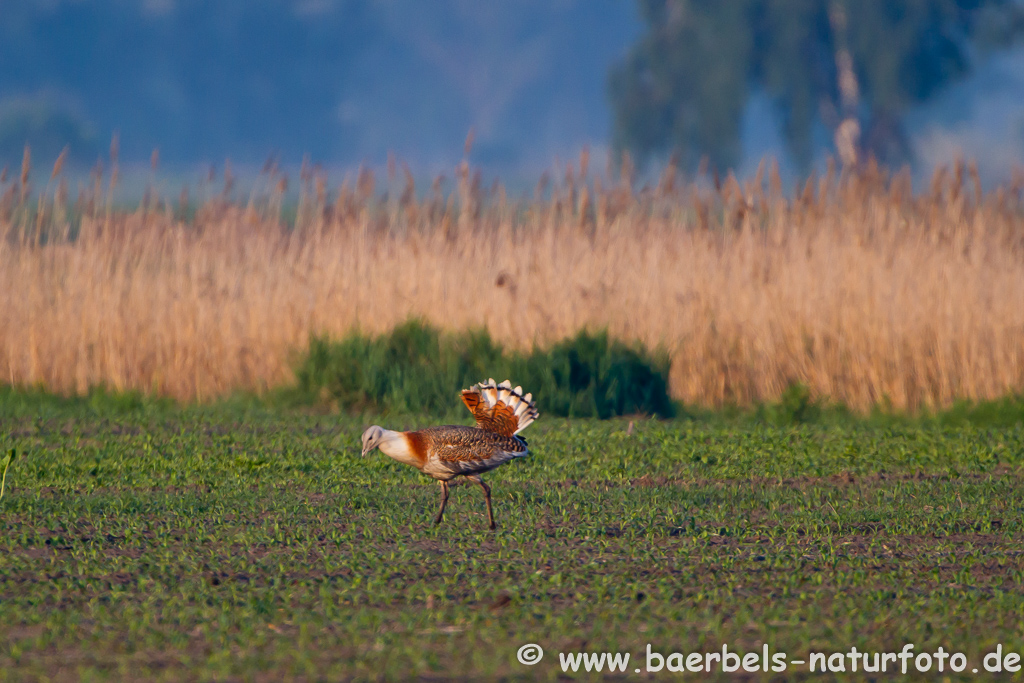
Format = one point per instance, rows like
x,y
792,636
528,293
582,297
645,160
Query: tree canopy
x,y
684,86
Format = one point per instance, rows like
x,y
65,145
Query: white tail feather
x,y
525,403
516,399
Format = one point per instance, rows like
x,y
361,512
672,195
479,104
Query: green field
x,y
147,542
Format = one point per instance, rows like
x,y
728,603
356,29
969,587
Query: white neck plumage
x,y
395,445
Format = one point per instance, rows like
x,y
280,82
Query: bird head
x,y
372,438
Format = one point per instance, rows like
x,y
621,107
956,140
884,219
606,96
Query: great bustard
x,y
452,451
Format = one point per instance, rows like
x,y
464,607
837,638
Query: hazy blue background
x,y
347,81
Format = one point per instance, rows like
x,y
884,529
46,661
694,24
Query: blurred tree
x,y
48,127
853,66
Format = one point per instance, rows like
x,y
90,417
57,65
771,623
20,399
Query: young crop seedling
x,y
8,459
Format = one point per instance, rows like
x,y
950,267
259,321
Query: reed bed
x,y
855,286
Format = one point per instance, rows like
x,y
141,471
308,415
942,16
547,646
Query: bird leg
x,y
444,502
487,497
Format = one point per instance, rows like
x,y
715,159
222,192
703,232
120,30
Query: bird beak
x,y
365,451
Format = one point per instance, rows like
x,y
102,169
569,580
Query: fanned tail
x,y
499,408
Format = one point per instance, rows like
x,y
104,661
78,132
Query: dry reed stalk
x,y
857,288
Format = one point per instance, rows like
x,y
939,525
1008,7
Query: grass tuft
x,y
97,401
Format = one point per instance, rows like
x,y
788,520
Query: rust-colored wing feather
x,y
472,400
500,408
501,419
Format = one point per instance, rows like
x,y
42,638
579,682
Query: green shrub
x,y
593,376
795,406
417,369
1005,412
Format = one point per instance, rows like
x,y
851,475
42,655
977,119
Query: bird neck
x,y
398,446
